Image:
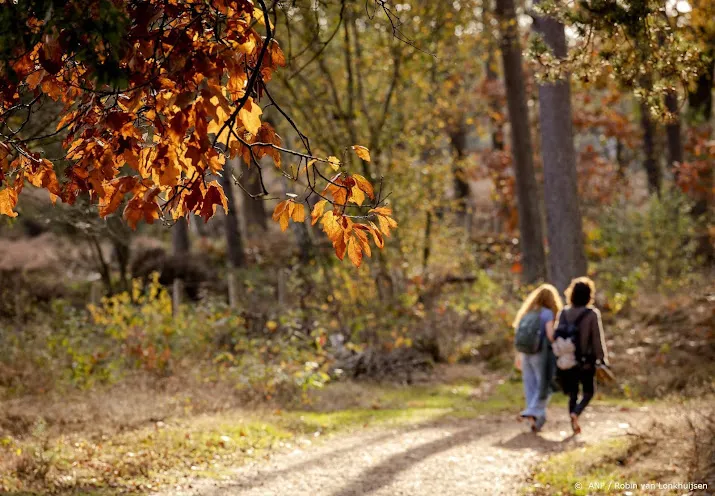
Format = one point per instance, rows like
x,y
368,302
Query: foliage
x,y
149,100
649,47
654,244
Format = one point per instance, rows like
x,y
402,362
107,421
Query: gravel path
x,y
489,455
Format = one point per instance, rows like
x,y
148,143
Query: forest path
x,y
489,455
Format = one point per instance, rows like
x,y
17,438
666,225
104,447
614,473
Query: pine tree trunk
x,y
234,241
567,258
530,222
650,162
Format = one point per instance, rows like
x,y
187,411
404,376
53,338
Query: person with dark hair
x,y
579,357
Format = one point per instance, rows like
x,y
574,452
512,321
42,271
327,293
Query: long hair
x,y
545,296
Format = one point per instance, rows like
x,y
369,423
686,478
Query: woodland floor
x,y
493,454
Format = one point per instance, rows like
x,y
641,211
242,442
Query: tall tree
x,y
180,237
673,132
530,221
234,241
650,161
567,258
254,209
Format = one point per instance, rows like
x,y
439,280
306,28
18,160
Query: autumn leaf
x,y
214,196
142,206
281,214
354,252
298,214
357,195
334,162
8,201
362,152
364,185
384,219
250,115
317,212
331,226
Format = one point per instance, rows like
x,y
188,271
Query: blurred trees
x,y
528,197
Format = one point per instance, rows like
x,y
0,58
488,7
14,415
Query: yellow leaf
x,y
357,195
331,226
334,162
364,185
299,213
318,211
8,200
250,116
362,152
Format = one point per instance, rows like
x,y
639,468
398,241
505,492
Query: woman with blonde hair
x,y
534,326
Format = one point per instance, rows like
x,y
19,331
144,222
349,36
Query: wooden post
x,y
94,290
177,291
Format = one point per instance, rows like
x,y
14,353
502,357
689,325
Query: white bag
x,y
565,352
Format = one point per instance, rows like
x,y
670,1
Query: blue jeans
x,y
532,370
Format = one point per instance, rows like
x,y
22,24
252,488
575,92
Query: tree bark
x,y
180,237
567,258
650,162
235,254
254,209
530,221
458,140
673,132
700,100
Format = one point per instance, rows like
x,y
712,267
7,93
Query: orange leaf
x,y
298,213
354,252
8,200
331,226
142,206
214,196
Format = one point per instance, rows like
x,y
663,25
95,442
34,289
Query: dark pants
x,y
575,378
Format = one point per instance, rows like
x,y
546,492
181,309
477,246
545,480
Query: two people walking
x,y
559,347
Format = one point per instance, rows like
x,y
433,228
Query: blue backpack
x,y
528,333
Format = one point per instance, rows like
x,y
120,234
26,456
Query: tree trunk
x,y
672,130
492,82
700,100
180,237
530,223
235,255
254,209
650,162
567,258
458,140
700,103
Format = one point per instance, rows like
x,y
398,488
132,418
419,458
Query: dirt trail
x,y
490,455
